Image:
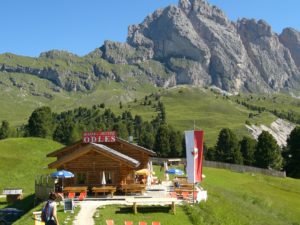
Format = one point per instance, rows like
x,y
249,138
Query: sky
x,y
29,27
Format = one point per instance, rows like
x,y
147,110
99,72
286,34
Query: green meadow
x,y
188,107
233,198
22,159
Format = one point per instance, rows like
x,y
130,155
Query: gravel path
x,y
86,213
88,209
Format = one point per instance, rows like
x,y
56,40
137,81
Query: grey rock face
x,y
123,53
170,34
290,38
235,57
273,61
68,80
193,43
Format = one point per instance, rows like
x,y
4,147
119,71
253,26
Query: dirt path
x,y
85,215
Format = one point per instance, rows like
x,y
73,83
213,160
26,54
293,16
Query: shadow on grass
x,y
26,204
144,209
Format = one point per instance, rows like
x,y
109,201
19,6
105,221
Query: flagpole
x,y
194,176
193,193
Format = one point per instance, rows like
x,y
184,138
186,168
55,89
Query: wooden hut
x,y
116,160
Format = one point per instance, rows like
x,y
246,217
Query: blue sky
x,y
29,27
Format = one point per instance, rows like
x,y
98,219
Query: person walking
x,y
49,211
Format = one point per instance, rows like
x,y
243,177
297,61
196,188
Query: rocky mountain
x,y
192,43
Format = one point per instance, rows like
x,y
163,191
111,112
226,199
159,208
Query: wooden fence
x,y
221,165
43,186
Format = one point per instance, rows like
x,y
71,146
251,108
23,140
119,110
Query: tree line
x,y
67,127
263,153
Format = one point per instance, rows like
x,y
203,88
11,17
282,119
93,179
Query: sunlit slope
x,y
22,159
207,110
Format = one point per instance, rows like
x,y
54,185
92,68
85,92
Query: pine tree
x,y
267,154
293,156
41,123
227,148
65,132
121,129
175,143
4,130
146,139
247,148
162,144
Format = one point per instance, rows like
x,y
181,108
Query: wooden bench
x,y
133,188
75,189
153,201
104,189
180,190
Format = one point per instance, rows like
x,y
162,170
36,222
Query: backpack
x,y
47,212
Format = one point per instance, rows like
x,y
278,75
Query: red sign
x,y
98,137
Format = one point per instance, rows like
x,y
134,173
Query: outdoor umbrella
x,y
145,172
103,182
175,171
166,169
62,174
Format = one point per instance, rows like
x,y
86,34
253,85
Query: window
x,y
109,178
81,178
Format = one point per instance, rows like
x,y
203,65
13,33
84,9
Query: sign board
x,y
98,137
68,205
12,191
37,218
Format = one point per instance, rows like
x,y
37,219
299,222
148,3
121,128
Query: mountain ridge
x,y
193,43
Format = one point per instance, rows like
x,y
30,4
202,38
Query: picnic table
x,y
78,189
104,189
152,201
133,188
186,185
180,190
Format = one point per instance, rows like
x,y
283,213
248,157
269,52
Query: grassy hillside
x,y
29,92
233,199
22,159
236,198
209,110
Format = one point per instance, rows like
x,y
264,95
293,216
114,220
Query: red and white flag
x,y
194,155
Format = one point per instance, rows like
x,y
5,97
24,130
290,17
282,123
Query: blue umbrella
x,y
175,171
62,174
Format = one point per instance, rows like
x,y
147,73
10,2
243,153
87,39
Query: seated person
x,y
176,182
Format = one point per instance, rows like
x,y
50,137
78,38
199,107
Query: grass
x,y
63,217
237,198
22,159
209,111
148,214
233,199
30,92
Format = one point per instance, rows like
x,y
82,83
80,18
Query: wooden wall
x,y
93,164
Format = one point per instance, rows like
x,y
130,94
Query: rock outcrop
x,y
279,129
290,38
273,61
193,43
242,56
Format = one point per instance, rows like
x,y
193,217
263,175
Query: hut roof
x,y
99,148
118,140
